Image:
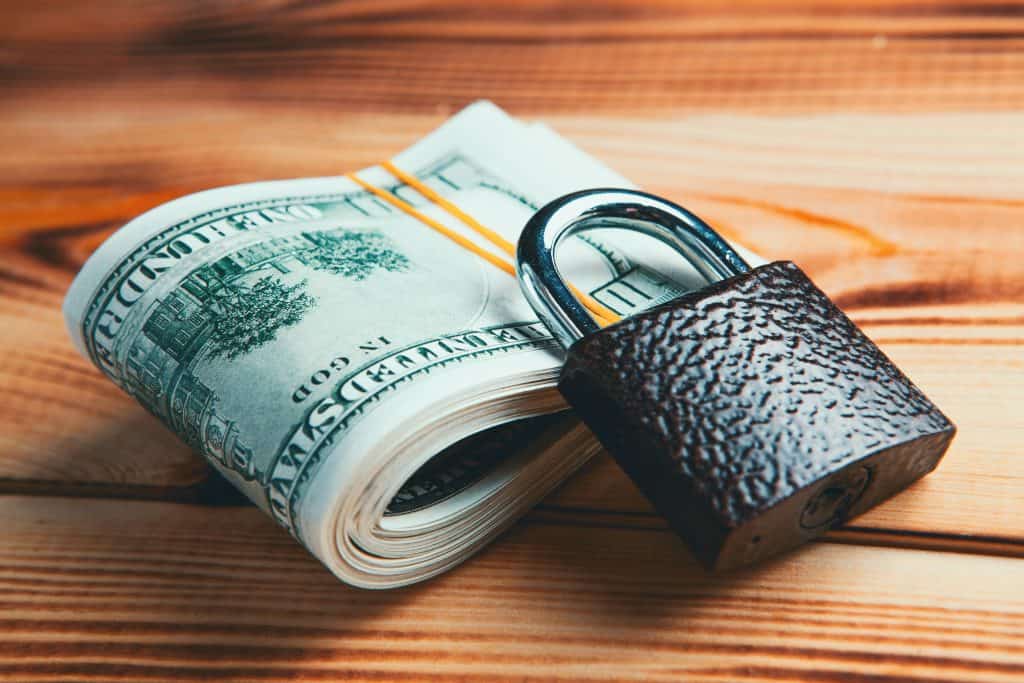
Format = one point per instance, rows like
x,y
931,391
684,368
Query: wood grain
x,y
877,143
116,591
611,55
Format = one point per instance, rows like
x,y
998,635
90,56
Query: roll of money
x,y
383,393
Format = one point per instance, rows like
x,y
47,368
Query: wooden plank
x,y
768,56
116,591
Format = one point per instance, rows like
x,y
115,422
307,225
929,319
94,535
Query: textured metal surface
x,y
753,413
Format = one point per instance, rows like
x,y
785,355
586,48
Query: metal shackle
x,y
546,290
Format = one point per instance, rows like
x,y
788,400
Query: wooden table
x,y
878,143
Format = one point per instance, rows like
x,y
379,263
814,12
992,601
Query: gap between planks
x,y
851,534
217,493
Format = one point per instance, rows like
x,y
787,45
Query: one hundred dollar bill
x,y
384,394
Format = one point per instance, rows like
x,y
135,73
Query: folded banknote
x,y
375,386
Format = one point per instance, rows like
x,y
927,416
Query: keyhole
x,y
833,503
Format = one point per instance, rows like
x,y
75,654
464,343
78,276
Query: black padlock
x,y
752,412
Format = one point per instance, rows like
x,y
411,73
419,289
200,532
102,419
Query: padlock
x,y
752,413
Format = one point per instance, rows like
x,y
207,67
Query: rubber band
x,y
431,194
604,315
436,225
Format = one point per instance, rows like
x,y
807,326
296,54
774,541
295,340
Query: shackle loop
x,y
546,290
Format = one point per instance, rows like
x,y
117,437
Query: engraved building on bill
x,y
158,369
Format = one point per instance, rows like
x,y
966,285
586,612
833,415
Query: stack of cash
x,y
380,390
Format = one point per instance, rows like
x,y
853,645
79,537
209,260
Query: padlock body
x,y
753,413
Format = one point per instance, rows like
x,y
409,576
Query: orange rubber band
x,y
436,225
604,315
